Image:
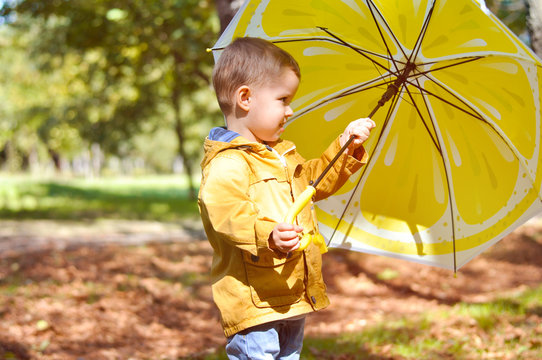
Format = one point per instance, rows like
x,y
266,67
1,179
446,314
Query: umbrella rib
x,y
474,113
422,117
465,58
393,61
421,35
380,136
448,183
355,90
481,118
388,115
348,92
337,41
360,88
347,206
361,52
448,66
370,5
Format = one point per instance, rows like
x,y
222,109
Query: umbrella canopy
x,y
455,158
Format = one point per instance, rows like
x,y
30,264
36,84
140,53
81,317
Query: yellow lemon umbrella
x,y
455,158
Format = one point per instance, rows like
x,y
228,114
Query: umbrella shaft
x,y
394,87
391,91
330,165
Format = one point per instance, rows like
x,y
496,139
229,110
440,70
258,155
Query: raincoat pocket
x,y
273,281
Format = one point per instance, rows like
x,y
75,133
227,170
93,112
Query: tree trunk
x,y
226,11
534,25
187,163
4,155
55,156
179,132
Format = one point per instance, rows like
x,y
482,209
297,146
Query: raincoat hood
x,y
221,139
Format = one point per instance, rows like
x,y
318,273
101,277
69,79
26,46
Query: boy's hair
x,y
248,61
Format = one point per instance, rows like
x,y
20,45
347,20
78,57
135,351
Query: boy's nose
x,y
289,112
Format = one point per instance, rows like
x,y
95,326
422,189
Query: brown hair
x,y
248,61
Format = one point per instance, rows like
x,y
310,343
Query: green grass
x,y
508,327
161,198
405,338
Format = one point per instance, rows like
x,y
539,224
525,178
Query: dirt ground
x,y
97,297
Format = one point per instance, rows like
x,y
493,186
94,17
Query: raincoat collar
x,y
221,139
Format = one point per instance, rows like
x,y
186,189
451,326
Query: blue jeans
x,y
281,339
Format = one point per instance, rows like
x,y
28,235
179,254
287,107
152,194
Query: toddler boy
x,y
261,285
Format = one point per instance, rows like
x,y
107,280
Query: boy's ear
x,y
242,97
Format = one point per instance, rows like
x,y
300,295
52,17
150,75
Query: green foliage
x,y
150,198
513,14
107,72
28,112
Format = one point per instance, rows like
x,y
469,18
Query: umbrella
x,y
455,157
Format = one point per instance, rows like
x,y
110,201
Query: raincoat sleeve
x,y
227,211
344,167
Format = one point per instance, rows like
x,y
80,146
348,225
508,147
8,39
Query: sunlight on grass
x,y
387,274
161,198
487,314
502,330
404,337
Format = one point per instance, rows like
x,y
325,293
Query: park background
x,y
105,105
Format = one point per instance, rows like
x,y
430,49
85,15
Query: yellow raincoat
x,y
246,189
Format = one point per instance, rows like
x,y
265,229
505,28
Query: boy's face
x,y
270,106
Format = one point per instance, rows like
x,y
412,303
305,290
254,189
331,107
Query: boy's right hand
x,y
285,237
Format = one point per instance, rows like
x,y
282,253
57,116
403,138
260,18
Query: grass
x,y
465,331
160,198
506,328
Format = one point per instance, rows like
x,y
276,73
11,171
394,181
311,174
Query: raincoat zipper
x,y
285,165
279,156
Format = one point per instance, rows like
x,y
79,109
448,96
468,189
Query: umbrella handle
x,y
298,205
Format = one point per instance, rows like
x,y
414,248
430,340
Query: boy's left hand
x,y
361,129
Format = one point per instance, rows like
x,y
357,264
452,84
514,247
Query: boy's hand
x,y
284,237
360,128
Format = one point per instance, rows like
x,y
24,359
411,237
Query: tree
x,y
534,25
226,11
523,17
138,63
29,110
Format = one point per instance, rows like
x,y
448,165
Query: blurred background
x,y
97,90
104,106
